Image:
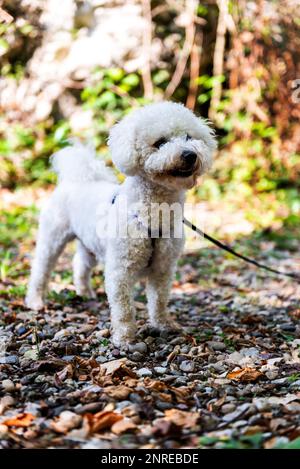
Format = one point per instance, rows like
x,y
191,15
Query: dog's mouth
x,y
182,173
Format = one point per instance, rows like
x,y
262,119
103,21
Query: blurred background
x,y
72,68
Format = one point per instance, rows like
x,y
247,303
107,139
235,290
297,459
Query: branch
x,y
186,49
147,41
5,16
194,70
219,56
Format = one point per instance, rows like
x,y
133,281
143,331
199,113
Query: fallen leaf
x,y
118,392
245,375
102,420
123,426
117,367
20,420
182,418
48,365
155,385
66,373
112,366
86,363
182,394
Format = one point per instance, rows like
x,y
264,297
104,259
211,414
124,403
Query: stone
x,y
218,346
187,366
8,385
228,408
140,347
160,370
143,372
9,360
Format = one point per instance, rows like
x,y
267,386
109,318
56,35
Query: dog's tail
x,y
78,163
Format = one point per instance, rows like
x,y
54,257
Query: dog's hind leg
x,y
53,235
83,262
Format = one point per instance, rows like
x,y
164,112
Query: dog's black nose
x,y
189,157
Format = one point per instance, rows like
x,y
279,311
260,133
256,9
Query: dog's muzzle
x,y
187,168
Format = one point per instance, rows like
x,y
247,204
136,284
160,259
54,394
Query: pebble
x,y
185,349
218,346
91,407
9,360
101,359
177,341
8,385
3,430
135,397
239,423
62,334
142,372
136,357
181,381
149,340
66,421
228,408
115,352
162,405
140,347
230,417
272,374
288,327
187,366
21,329
160,370
121,405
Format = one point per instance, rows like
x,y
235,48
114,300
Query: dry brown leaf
x,y
130,382
86,363
155,385
118,392
112,366
182,418
245,375
21,420
182,394
163,396
65,373
123,426
102,420
117,368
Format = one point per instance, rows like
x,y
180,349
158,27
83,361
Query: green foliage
x,y
16,225
242,442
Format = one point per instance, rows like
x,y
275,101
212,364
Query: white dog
x,y
161,148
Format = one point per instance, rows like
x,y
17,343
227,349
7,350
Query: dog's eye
x,y
188,137
160,142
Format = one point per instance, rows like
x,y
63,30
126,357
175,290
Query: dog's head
x,y
165,142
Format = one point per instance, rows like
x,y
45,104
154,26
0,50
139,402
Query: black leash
x,y
236,254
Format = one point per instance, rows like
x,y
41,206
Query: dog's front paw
x,y
166,325
34,302
122,337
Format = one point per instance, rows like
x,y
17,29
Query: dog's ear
x,y
121,142
207,133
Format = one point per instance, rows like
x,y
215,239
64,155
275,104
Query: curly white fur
x,y
157,173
